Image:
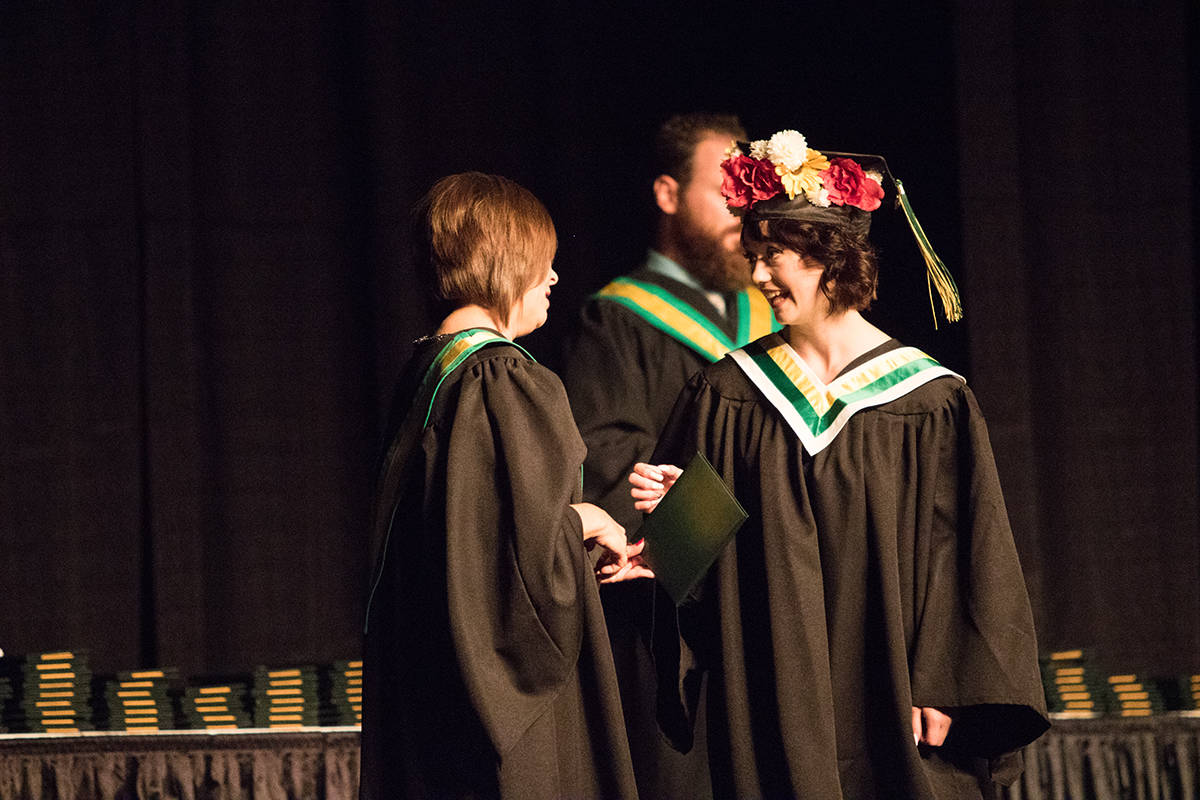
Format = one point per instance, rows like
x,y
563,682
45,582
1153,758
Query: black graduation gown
x,y
878,575
622,375
487,669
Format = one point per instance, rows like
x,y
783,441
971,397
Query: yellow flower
x,y
807,179
815,160
790,181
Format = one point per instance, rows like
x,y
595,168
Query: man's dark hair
x,y
678,136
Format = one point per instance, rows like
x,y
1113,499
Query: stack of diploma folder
x,y
344,693
1189,689
216,706
286,697
51,692
140,700
57,692
1074,687
1135,696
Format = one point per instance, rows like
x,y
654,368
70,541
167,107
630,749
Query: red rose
x,y
745,181
848,185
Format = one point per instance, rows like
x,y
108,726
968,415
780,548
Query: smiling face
x,y
849,265
530,310
791,284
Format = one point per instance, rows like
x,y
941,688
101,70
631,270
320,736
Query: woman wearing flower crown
x,y
867,633
487,664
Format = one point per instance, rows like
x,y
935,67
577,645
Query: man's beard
x,y
717,269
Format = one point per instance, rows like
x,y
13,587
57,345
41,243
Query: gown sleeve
x,y
515,561
974,649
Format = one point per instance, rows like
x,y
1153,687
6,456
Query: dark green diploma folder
x,y
689,527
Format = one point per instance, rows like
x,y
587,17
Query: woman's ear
x,y
666,194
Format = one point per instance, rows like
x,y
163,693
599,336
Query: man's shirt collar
x,y
657,262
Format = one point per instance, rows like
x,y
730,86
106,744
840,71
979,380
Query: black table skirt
x,y
1147,758
1155,758
259,765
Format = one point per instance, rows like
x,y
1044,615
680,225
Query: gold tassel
x,y
936,274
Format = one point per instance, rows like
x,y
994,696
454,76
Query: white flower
x,y
788,149
733,151
758,149
820,198
875,176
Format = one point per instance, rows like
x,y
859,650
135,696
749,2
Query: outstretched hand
x,y
650,483
634,568
601,530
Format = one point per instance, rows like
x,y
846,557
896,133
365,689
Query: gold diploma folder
x,y
690,526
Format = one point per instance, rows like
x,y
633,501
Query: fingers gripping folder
x,y
690,526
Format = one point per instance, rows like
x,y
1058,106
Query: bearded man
x,y
639,340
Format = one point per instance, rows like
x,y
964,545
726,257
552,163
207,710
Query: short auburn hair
x,y
484,240
851,272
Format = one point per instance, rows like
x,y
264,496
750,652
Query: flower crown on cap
x,y
830,188
785,163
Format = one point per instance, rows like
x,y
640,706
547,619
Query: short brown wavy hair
x,y
483,240
851,272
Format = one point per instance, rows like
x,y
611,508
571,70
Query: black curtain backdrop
x,y
205,294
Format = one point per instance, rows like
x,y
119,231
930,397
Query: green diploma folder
x,y
690,526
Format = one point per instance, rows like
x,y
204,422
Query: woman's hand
x,y
650,483
636,568
601,530
930,726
